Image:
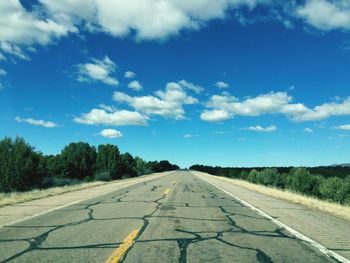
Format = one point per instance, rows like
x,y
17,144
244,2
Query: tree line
x,y
303,180
24,168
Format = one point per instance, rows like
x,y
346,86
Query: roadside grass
x,y
341,211
20,197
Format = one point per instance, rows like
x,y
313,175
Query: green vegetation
x,y
302,180
23,168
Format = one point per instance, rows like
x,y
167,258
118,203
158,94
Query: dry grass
x,y
20,197
341,211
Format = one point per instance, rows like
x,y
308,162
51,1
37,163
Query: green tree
x,y
127,166
78,160
336,189
108,160
142,167
19,165
301,180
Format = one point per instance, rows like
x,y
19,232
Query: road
x,y
174,218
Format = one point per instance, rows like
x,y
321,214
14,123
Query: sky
x,y
224,82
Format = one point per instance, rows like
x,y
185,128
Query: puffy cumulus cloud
x,y
225,106
82,9
190,86
98,70
166,103
135,85
115,118
111,133
259,128
299,112
46,124
146,19
221,85
262,104
345,127
19,26
215,115
50,20
326,14
129,74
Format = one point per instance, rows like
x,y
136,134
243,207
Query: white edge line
x,y
294,232
77,201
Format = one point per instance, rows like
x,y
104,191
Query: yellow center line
x,y
166,191
174,182
119,253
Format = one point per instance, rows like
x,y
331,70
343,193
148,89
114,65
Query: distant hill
x,y
342,165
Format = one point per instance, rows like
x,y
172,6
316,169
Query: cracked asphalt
x,y
180,218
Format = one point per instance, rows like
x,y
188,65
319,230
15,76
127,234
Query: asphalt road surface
x,y
175,218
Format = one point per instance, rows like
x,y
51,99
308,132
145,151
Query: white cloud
x,y
299,112
107,107
188,85
98,70
168,103
129,74
13,50
135,85
214,115
146,19
308,130
46,124
111,133
19,26
258,128
273,103
326,15
116,118
221,85
345,127
2,72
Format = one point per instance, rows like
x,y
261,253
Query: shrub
x,y
57,182
301,180
19,165
336,189
78,160
108,160
103,176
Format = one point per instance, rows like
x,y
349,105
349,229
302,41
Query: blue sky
x,y
230,82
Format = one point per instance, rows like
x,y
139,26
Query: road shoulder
x,y
12,214
330,231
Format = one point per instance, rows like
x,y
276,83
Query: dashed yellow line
x,y
166,191
119,253
174,182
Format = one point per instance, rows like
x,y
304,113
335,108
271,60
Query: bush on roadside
x,y
58,182
78,160
19,165
103,176
335,189
300,180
